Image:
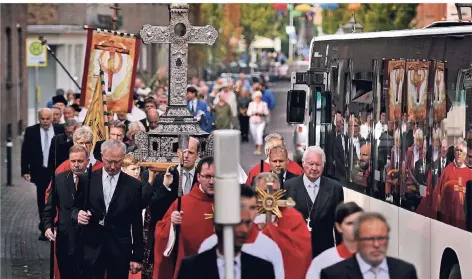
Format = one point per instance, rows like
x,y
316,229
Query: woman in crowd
x,y
133,128
257,111
243,102
346,214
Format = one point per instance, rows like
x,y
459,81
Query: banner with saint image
x,y
395,82
117,53
417,75
439,90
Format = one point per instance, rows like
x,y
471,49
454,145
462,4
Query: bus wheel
x,y
455,272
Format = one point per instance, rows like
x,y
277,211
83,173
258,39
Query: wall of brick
x,y
13,76
428,13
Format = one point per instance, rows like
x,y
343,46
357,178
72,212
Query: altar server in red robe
x,y
290,232
195,221
272,140
346,214
449,194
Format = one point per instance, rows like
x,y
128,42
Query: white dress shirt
x,y
367,270
45,145
184,180
312,187
263,247
220,262
109,185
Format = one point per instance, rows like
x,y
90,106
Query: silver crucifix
x,y
178,34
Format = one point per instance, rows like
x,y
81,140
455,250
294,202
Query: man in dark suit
x,y
60,145
151,120
35,156
316,198
66,234
107,207
210,264
371,232
339,139
165,187
278,161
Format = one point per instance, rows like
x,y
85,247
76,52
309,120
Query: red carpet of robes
x,y
193,230
294,240
292,167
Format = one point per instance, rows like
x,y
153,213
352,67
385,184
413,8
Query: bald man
x,y
361,171
35,155
151,120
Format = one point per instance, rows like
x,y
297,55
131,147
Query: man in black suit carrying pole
x,y
316,198
35,156
114,206
371,232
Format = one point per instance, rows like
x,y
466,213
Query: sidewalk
x,y
22,255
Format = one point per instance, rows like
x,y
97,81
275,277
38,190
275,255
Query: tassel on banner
x,y
111,32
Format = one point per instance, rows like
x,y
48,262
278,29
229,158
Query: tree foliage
x,y
374,17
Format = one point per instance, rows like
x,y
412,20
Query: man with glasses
x,y
106,207
449,194
195,221
371,232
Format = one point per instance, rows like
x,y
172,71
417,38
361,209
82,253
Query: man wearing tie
x,y
371,232
35,156
199,109
316,198
107,207
65,232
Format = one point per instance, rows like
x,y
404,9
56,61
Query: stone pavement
x,y
22,255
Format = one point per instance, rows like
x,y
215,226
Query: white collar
x,y
365,267
105,174
461,166
192,172
237,258
308,183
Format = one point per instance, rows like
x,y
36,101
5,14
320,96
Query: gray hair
x,y
263,176
366,216
113,144
84,132
314,149
461,144
44,109
134,128
70,122
269,138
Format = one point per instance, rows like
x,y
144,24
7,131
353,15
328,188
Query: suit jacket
x,y
32,154
162,199
64,196
321,216
204,266
349,269
468,205
339,156
421,171
206,121
60,152
123,213
144,122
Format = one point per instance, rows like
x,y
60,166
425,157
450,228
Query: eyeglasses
x,y
371,240
208,177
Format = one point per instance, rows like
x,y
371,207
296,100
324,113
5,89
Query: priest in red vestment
x,y
290,232
195,220
449,196
272,140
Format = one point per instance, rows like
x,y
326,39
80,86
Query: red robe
x,y
65,166
448,198
425,207
294,240
193,230
291,167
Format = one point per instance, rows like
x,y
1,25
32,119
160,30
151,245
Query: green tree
x,y
260,20
374,17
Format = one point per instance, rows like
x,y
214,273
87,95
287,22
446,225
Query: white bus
x,y
386,86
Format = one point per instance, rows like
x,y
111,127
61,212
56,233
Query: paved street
x,y
23,256
278,125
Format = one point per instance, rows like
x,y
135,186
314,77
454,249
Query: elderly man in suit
x,y
107,206
316,198
371,232
35,156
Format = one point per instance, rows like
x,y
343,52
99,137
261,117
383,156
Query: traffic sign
x,y
36,53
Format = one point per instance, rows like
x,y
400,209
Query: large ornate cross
x,y
178,34
160,144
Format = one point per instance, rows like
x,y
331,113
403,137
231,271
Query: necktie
x,y
188,182
375,271
46,148
109,191
76,181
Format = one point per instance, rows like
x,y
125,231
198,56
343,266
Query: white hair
x,y
268,139
113,144
461,144
46,110
84,132
314,149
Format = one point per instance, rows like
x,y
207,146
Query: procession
x,y
359,166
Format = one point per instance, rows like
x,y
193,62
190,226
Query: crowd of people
x,y
108,217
